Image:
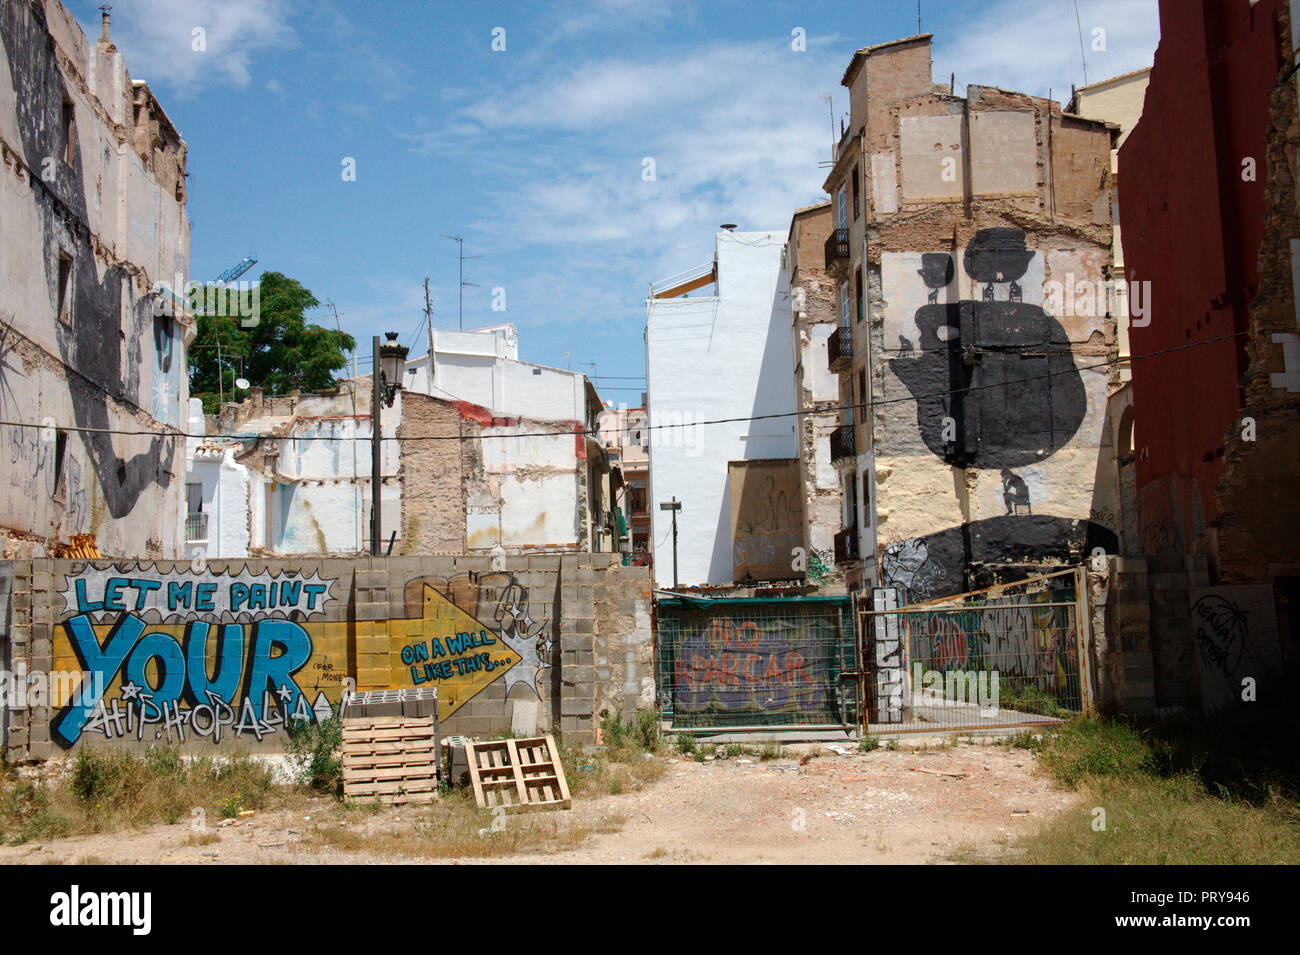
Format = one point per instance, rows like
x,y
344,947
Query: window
x,y
854,174
60,452
65,288
841,215
862,502
69,133
196,522
857,292
845,320
862,395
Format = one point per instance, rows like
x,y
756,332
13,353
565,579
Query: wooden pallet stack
x,y
518,775
390,746
390,758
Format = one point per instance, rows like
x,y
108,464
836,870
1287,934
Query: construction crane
x,y
238,269
225,278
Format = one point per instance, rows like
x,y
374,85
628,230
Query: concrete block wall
x,y
1121,636
623,642
536,620
1143,651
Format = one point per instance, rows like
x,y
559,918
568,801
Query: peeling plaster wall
x,y
988,451
117,214
815,310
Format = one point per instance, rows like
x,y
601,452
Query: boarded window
x,y
766,518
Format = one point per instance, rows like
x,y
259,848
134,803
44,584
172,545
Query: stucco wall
x,y
722,356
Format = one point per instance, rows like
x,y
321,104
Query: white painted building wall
x,y
719,356
482,366
315,496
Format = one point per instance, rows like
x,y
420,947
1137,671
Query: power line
x,y
172,433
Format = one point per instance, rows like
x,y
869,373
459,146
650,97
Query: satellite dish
x,y
241,383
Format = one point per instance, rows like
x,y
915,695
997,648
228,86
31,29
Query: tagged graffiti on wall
x,y
726,666
1025,644
766,518
186,656
1234,630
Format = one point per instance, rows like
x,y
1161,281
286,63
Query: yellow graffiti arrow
x,y
444,647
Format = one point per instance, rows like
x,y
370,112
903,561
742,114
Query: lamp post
x,y
674,505
388,360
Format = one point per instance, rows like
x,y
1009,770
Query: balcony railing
x,y
837,247
196,527
843,444
846,545
839,349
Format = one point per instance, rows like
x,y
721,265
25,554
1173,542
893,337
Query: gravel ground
x,y
904,806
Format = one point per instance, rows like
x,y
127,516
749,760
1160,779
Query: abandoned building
x,y
816,387
291,475
94,222
1213,583
964,227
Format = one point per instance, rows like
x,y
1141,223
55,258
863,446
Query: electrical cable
x,y
174,433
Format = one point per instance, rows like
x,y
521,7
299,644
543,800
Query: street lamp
x,y
389,361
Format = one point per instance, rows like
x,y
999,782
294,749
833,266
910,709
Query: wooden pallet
x,y
390,758
518,775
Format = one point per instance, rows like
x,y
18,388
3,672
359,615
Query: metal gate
x,y
739,664
1008,656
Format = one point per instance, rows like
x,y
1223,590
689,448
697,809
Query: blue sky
x,y
535,154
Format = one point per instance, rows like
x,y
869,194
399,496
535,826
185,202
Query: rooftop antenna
x,y
918,16
461,256
1083,62
831,106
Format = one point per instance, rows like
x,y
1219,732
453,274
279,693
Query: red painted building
x,y
1192,210
1210,220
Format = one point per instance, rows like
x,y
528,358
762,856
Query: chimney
x,y
103,20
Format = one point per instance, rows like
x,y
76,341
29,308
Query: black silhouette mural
x,y
93,346
996,388
995,381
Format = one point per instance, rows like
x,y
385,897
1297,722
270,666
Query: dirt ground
x,y
903,806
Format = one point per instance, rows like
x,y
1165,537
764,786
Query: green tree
x,y
281,351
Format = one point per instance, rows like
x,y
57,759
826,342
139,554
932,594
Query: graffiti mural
x,y
190,655
995,388
726,667
168,658
1027,645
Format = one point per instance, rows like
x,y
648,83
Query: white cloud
x,y
158,40
1031,47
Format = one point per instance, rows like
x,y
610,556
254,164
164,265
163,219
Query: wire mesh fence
x,y
981,663
751,664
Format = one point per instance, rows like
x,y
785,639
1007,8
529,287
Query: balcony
x,y
837,249
839,349
196,527
846,546
843,444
